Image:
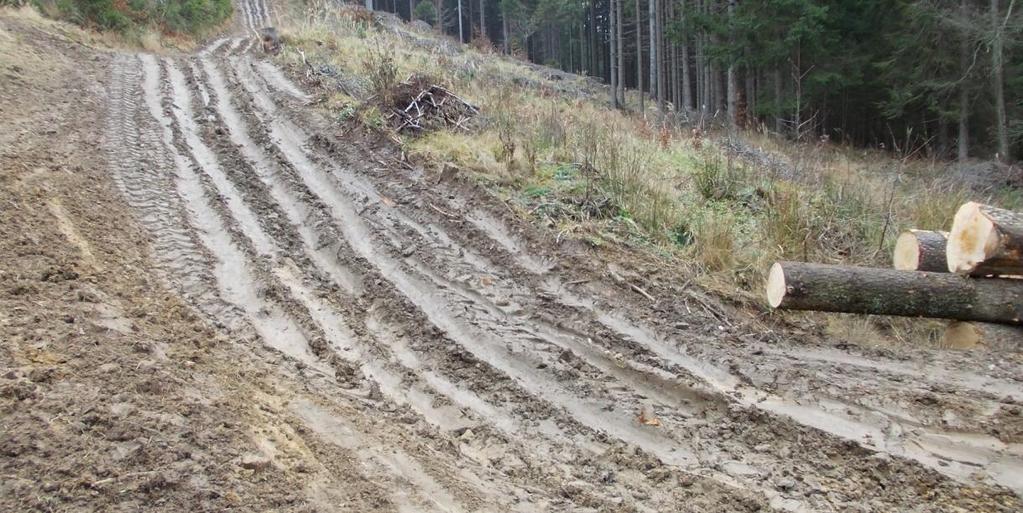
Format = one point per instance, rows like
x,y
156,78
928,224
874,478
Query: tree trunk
x,y
461,36
779,121
687,89
505,40
483,19
921,250
749,112
621,52
673,61
986,241
639,57
964,93
732,81
659,21
862,290
966,335
612,19
998,85
653,48
369,4
595,72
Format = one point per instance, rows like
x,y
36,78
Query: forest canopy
x,y
943,76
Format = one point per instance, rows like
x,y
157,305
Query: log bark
x,y
966,335
862,290
921,250
986,241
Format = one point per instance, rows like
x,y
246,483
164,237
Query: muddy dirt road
x,y
308,324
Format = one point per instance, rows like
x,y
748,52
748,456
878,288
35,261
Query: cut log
x,y
965,335
863,290
986,241
921,250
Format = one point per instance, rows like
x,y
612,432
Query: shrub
x,y
382,72
183,16
425,11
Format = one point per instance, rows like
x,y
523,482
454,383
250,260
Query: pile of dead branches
x,y
419,106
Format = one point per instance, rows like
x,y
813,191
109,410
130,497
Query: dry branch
x,y
429,106
831,288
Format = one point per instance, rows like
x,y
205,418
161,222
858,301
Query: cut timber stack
x,y
970,275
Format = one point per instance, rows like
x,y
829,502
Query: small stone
x,y
786,485
107,368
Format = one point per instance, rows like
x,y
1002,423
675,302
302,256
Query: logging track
x,y
506,383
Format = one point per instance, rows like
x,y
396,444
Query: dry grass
x,y
148,39
554,148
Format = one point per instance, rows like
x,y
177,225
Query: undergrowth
x,y
604,176
136,17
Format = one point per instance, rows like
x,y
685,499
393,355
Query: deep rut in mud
x,y
522,384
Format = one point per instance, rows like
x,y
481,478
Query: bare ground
x,y
212,299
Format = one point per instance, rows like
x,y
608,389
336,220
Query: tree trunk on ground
x,y
921,250
966,335
862,290
639,57
998,82
986,241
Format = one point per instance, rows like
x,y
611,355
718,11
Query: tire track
x,y
423,295
143,171
443,386
960,462
232,273
341,339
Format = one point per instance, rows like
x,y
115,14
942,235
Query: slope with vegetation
x,y
720,206
941,76
131,17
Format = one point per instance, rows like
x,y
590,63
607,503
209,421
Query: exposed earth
x,y
212,299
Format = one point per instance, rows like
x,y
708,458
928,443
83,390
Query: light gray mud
x,y
395,229
507,371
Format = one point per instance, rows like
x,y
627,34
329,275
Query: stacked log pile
x,y
972,275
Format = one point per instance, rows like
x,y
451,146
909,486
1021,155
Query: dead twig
x,y
442,212
642,292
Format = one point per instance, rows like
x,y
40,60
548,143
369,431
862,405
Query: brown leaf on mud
x,y
486,280
647,419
